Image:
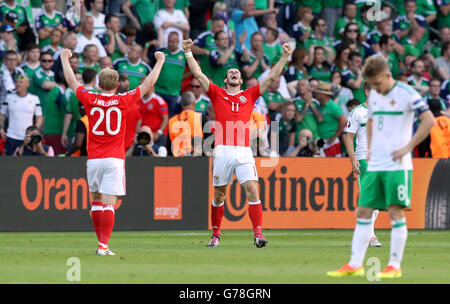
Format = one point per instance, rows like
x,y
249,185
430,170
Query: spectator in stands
x,y
185,129
201,100
258,61
343,94
155,114
90,59
443,61
54,47
296,69
352,78
306,146
86,36
44,79
54,115
130,33
96,12
387,51
319,65
32,63
146,10
285,18
149,39
244,20
410,20
8,71
133,65
443,7
349,17
205,44
48,20
79,146
112,39
331,12
270,21
271,47
341,62
69,41
32,144
169,81
434,93
444,36
7,40
351,36
412,43
144,145
417,79
334,120
220,12
223,58
72,111
308,115
169,19
105,62
384,27
198,11
20,108
318,37
302,29
352,103
273,99
287,129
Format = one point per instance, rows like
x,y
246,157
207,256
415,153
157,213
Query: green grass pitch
x,y
292,256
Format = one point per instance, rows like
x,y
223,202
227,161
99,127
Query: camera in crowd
x,y
35,139
143,139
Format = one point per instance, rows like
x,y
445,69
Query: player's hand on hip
x,y
187,45
398,154
160,56
355,167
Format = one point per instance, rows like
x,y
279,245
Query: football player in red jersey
x,y
232,152
107,113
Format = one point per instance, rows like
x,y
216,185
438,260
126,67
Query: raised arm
x,y
150,80
193,65
69,75
276,69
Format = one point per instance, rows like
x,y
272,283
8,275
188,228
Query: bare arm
x,y
276,69
40,121
342,120
193,65
426,123
150,80
369,135
350,148
71,80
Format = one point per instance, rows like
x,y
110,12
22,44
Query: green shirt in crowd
x,y
309,121
135,71
54,111
329,125
39,77
171,76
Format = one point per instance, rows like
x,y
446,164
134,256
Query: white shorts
x,y
106,175
229,160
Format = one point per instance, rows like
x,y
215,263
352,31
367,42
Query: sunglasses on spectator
x,y
352,30
47,60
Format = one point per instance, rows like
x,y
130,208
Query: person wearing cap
x,y
7,40
20,108
333,122
15,15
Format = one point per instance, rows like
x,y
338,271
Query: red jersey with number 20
x,y
233,112
107,116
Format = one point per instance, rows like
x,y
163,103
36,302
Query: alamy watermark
x,y
73,274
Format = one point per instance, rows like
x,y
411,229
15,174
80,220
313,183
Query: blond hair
x,y
108,79
374,66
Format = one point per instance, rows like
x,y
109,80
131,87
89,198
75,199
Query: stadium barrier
x,y
51,194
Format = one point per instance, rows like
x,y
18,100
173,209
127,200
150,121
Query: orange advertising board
x,y
317,193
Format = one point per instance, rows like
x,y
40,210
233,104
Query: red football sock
x,y
255,213
107,223
96,216
216,217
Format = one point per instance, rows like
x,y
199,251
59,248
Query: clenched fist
x,y
160,56
187,44
66,53
287,49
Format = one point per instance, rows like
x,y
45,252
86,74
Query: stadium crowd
x,y
303,112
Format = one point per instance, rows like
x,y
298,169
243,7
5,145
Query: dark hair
x,y
274,31
109,17
216,36
45,53
315,22
129,30
445,47
384,40
413,63
34,128
89,75
32,46
354,54
353,102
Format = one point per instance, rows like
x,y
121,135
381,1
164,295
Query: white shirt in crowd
x,y
20,111
82,41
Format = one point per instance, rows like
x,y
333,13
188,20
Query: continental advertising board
x,y
51,194
320,193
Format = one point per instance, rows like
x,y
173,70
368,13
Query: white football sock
x,y
399,234
374,217
360,242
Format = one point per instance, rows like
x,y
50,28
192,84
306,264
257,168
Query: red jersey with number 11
x,y
107,116
233,112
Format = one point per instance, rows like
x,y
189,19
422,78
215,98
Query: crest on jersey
x,y
243,99
393,103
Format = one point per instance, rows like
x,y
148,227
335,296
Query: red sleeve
x,y
253,93
163,108
212,91
133,96
83,95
